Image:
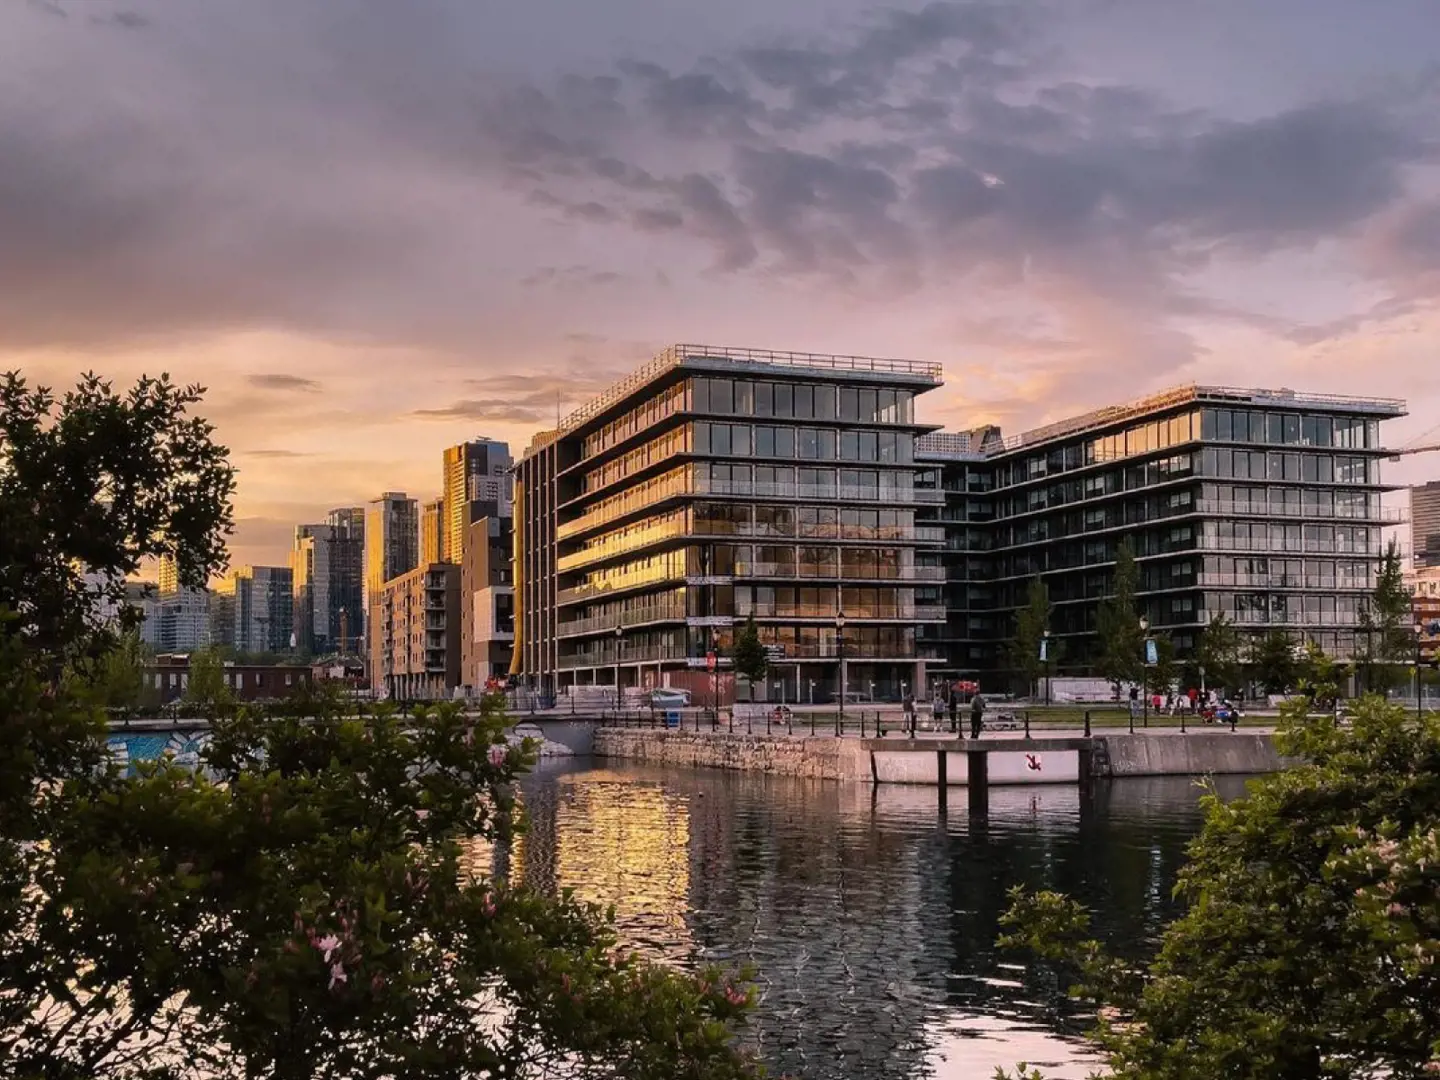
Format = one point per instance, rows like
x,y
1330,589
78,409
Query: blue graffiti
x,y
184,747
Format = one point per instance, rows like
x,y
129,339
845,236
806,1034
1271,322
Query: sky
x,y
374,229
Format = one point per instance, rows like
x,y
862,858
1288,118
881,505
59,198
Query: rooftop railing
x,y
676,355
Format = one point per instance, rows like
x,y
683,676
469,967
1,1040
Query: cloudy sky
x,y
374,228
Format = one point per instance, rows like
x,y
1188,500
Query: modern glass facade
x,y
714,484
718,484
1263,506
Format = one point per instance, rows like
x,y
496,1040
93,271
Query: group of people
x,y
1203,703
941,705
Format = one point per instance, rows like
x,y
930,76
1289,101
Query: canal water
x,y
869,915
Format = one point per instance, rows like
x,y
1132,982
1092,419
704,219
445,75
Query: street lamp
x,y
715,673
1145,669
1045,657
840,652
1419,632
619,633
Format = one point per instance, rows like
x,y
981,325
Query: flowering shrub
x,y
1309,946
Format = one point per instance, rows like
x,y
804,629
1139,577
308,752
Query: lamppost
x,y
1045,659
840,652
715,672
1419,632
1145,668
619,632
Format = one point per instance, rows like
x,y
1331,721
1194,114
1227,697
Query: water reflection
x,y
870,915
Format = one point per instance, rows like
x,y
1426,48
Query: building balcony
x,y
640,616
1380,515
1281,581
881,572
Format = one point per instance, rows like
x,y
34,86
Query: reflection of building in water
x,y
839,917
617,843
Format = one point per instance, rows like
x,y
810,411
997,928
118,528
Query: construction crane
x,y
1422,444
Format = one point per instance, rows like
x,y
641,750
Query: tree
x,y
102,481
299,907
1218,652
750,660
115,680
1117,622
1384,636
206,693
1273,663
1031,623
1311,942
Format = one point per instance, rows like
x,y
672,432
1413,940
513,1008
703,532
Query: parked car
x,y
666,697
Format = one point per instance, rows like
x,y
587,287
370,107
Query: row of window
x,y
1141,438
672,442
718,519
651,411
744,397
1307,468
1289,429
806,444
812,482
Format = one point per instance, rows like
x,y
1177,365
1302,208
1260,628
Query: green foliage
x,y
115,680
101,481
1272,662
1319,677
1117,623
1031,622
206,694
1219,653
749,658
306,905
1384,635
1311,942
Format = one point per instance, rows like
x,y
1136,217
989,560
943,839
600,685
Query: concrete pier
x,y
937,761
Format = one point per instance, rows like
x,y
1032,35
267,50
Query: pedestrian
x,y
1134,701
1193,695
954,711
939,710
977,714
908,704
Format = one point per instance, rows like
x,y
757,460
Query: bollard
x,y
1027,723
1182,721
731,721
1087,723
749,719
789,723
1132,721
812,720
767,721
1234,719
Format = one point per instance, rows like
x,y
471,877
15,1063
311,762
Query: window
x,y
784,395
825,403
808,447
764,399
722,396
869,450
764,441
849,403
826,439
804,402
785,442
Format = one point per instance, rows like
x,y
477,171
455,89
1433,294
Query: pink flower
x,y
488,907
337,975
497,755
327,945
734,996
376,982
1395,911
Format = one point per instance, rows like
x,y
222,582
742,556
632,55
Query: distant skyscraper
x,y
261,599
1425,523
325,564
477,485
392,541
169,575
432,532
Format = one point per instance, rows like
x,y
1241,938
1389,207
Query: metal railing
x,y
1280,581
1387,515
677,355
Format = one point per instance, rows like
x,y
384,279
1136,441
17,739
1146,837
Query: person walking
x,y
977,714
954,712
938,708
908,704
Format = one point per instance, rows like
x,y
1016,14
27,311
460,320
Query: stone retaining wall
x,y
1201,753
821,758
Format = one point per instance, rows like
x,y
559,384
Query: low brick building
x,y
415,634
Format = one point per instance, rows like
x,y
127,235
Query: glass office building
x,y
716,484
1261,505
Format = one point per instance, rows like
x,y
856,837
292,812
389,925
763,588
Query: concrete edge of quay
x,y
859,760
